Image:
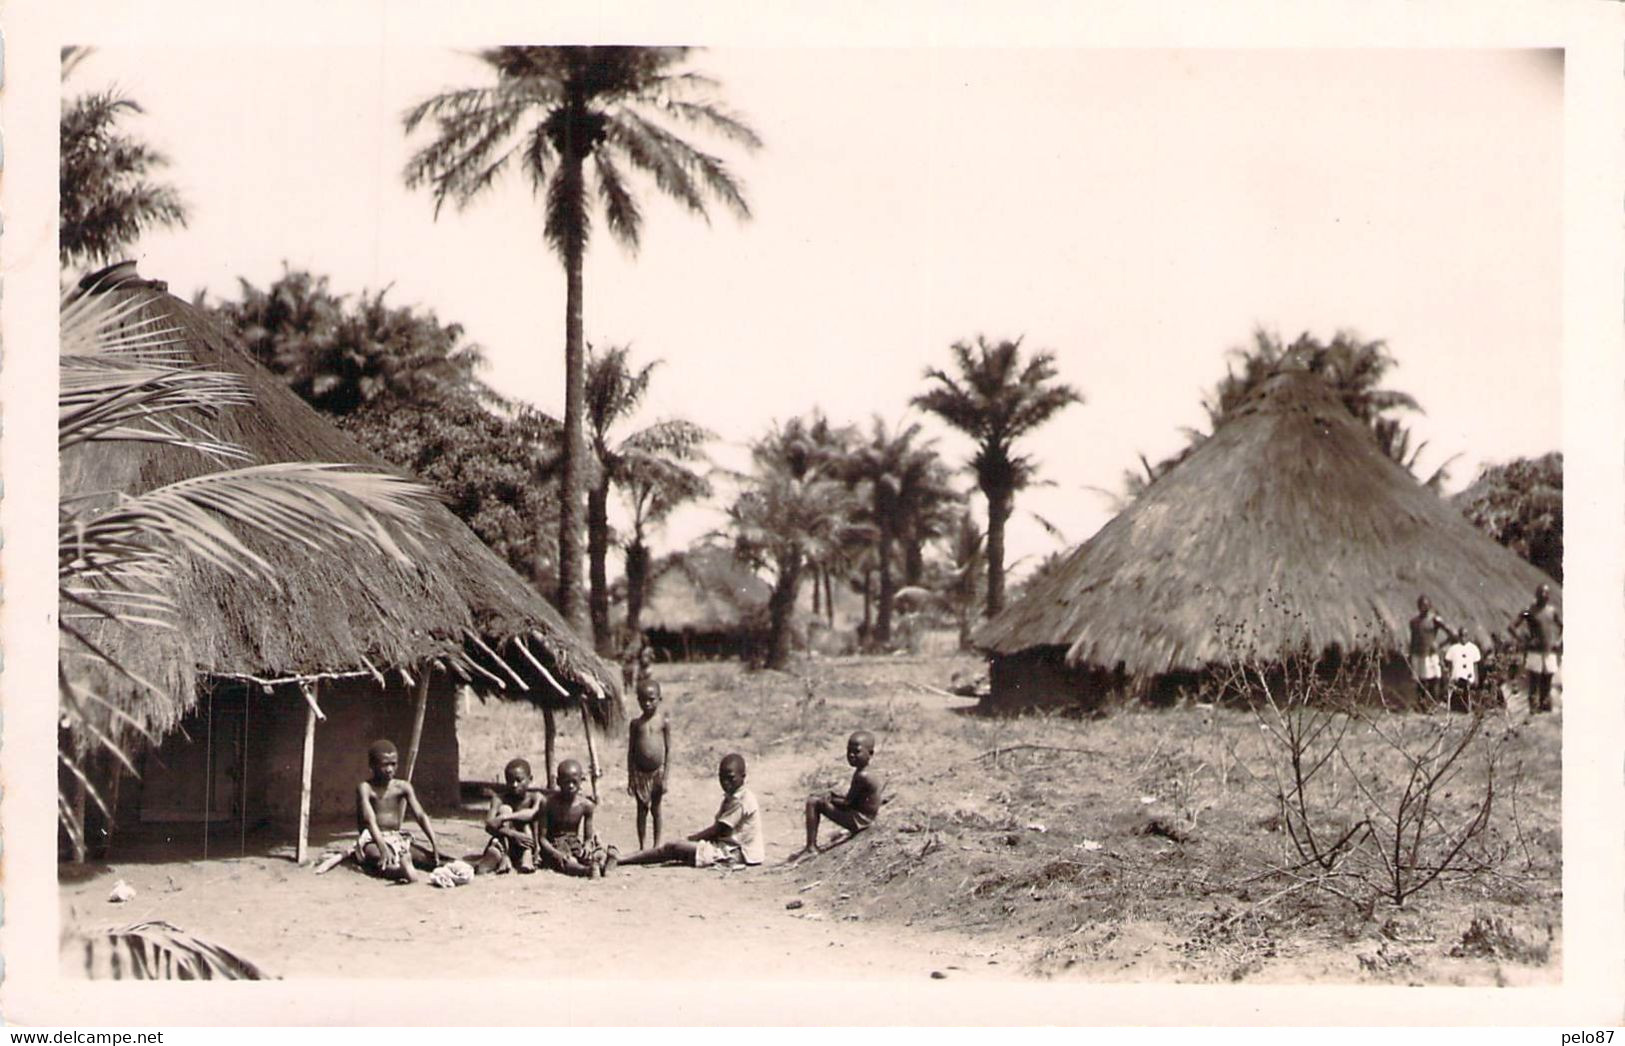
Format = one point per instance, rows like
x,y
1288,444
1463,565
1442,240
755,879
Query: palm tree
x,y
894,472
1353,368
929,507
118,551
553,111
104,176
995,400
341,357
652,488
792,511
964,582
650,456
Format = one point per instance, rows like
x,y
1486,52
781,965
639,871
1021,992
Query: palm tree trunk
x,y
572,486
829,597
888,590
913,560
868,607
781,605
637,576
998,510
817,607
597,567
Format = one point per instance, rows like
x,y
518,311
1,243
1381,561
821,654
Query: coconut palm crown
x,y
577,121
996,399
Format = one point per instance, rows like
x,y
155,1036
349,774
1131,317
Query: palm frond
x,y
159,951
621,211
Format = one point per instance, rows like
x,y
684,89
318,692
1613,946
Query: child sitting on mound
x,y
511,822
858,808
734,838
568,844
382,847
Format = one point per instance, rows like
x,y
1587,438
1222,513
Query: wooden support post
x,y
592,750
112,804
417,726
550,734
302,851
81,841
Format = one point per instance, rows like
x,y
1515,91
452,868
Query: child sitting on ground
x,y
858,808
511,822
568,844
734,838
382,847
648,749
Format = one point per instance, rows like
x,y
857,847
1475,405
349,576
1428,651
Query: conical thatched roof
x,y
457,606
1288,505
705,589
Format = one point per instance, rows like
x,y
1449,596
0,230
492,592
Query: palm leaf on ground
x,y
157,951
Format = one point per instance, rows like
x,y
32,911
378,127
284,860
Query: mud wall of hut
x,y
238,757
1041,678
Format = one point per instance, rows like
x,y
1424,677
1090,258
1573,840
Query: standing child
x,y
511,822
648,751
382,847
733,838
568,844
1462,656
857,809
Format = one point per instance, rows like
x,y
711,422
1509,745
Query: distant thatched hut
x,y
706,604
1288,520
366,646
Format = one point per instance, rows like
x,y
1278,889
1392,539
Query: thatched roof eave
x,y
455,607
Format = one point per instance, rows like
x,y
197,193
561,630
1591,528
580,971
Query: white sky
x,y
1137,212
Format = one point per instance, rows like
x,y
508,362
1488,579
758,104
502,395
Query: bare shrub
x,y
1376,804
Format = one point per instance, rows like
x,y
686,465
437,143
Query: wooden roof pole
x,y
302,851
592,750
417,726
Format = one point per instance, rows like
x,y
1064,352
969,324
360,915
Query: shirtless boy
x,y
733,838
511,821
1542,628
567,844
648,750
1424,650
857,809
381,803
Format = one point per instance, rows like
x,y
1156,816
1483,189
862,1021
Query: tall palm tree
x,y
652,455
792,511
578,119
995,399
107,195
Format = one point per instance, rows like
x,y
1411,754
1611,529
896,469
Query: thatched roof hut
x,y
705,602
365,630
1289,504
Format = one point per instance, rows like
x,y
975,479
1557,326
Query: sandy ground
x,y
978,906
644,922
